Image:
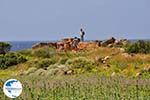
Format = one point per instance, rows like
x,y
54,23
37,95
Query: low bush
x,y
63,60
4,47
11,59
44,63
80,63
138,47
27,52
44,52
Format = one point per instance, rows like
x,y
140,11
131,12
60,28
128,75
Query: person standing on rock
x,y
82,33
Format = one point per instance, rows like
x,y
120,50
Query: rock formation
x,y
75,44
112,42
109,41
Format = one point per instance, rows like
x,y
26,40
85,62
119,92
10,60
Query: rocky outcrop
x,y
39,45
64,44
52,44
109,41
112,42
43,44
89,45
75,44
68,44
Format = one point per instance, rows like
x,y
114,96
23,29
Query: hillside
x,y
87,68
88,57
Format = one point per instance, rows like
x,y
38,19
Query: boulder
x,y
127,55
67,39
39,45
87,45
120,43
68,44
70,72
102,60
99,43
98,59
112,42
106,58
43,44
109,41
52,44
82,45
110,45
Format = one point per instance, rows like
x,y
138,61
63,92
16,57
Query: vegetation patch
x,y
4,47
80,64
46,52
11,59
138,47
44,63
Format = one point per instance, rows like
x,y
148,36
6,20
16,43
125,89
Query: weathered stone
x,y
110,45
52,44
39,45
127,55
109,41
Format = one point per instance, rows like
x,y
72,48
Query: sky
x,y
26,20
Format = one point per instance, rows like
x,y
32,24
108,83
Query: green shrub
x,y
80,63
44,63
11,59
27,52
145,74
63,60
4,47
138,47
44,52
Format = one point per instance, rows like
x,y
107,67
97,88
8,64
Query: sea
x,y
21,45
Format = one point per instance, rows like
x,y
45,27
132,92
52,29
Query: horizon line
x,y
60,39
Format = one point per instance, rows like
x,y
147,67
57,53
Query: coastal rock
x,y
120,43
65,40
113,42
75,44
68,44
88,45
52,44
39,45
109,41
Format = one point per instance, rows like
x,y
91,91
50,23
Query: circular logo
x,y
12,88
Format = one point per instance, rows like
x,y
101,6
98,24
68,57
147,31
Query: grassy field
x,y
83,87
68,75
